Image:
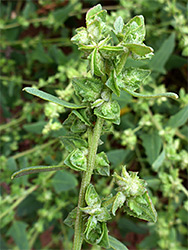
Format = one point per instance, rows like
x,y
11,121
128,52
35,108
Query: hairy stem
x,y
93,139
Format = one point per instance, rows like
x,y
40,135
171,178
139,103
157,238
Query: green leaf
x,y
179,118
60,15
159,161
3,243
118,202
112,83
87,49
153,183
97,64
77,159
116,244
122,60
29,10
185,51
132,77
134,30
78,126
83,115
35,127
175,62
40,55
88,88
74,124
102,166
140,51
103,214
57,55
94,208
11,164
52,98
150,241
127,225
109,52
18,233
36,169
81,37
167,94
110,111
118,25
93,11
152,143
116,156
141,207
70,220
91,224
29,206
129,184
91,196
99,235
161,57
104,239
64,181
94,30
72,142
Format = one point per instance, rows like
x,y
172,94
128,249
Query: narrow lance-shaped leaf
x,y
96,63
116,244
36,169
167,94
51,98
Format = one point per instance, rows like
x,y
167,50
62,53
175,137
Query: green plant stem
x,y
32,150
64,42
45,18
93,139
12,123
17,202
5,78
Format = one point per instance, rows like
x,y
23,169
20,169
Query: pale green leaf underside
x,y
167,94
51,98
36,169
116,244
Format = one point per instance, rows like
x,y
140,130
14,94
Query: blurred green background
x,y
152,137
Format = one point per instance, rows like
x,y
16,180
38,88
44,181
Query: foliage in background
x,y
35,51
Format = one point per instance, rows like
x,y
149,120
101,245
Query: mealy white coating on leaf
x,y
103,215
141,207
91,12
102,159
134,189
118,202
78,158
97,103
104,41
105,94
146,56
130,184
91,196
132,77
94,30
91,224
106,109
134,30
88,88
118,25
80,126
109,111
